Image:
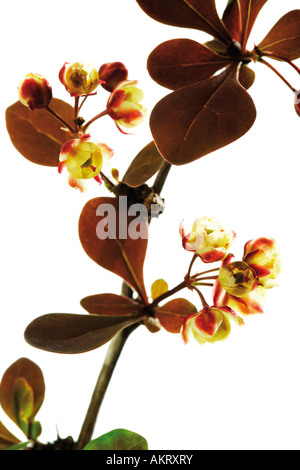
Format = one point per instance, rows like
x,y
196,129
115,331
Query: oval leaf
x,y
119,252
22,387
172,315
284,38
37,135
239,18
7,439
246,77
72,334
159,288
110,304
144,166
118,439
197,14
181,62
199,119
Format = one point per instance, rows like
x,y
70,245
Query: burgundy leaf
x,y
37,135
201,118
246,77
110,304
144,166
181,62
119,252
284,38
196,14
172,315
72,334
239,18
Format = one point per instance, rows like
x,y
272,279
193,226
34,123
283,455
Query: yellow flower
x,y
35,92
124,106
237,278
209,325
262,255
208,239
83,159
79,79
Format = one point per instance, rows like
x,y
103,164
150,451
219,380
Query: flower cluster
x,y
82,156
238,288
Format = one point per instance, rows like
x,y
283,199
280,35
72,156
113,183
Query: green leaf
x,y
37,135
20,446
144,166
73,334
199,119
284,38
118,439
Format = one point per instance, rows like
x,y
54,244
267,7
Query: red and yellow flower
x,y
262,255
83,159
112,74
208,239
242,285
35,92
210,325
124,105
79,79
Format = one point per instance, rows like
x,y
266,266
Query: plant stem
x,y
103,113
60,119
116,345
161,177
277,73
282,59
173,291
113,353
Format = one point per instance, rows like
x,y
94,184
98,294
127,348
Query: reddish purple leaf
x,y
72,334
144,166
30,372
284,38
196,14
119,252
37,135
7,439
110,304
246,77
201,118
172,315
239,18
181,62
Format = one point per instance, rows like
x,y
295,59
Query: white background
x,y
240,394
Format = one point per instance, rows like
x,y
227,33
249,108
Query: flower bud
x,y
124,105
79,79
262,255
297,102
83,158
208,326
112,74
237,278
35,92
208,239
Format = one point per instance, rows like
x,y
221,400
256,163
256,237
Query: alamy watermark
x,y
128,221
